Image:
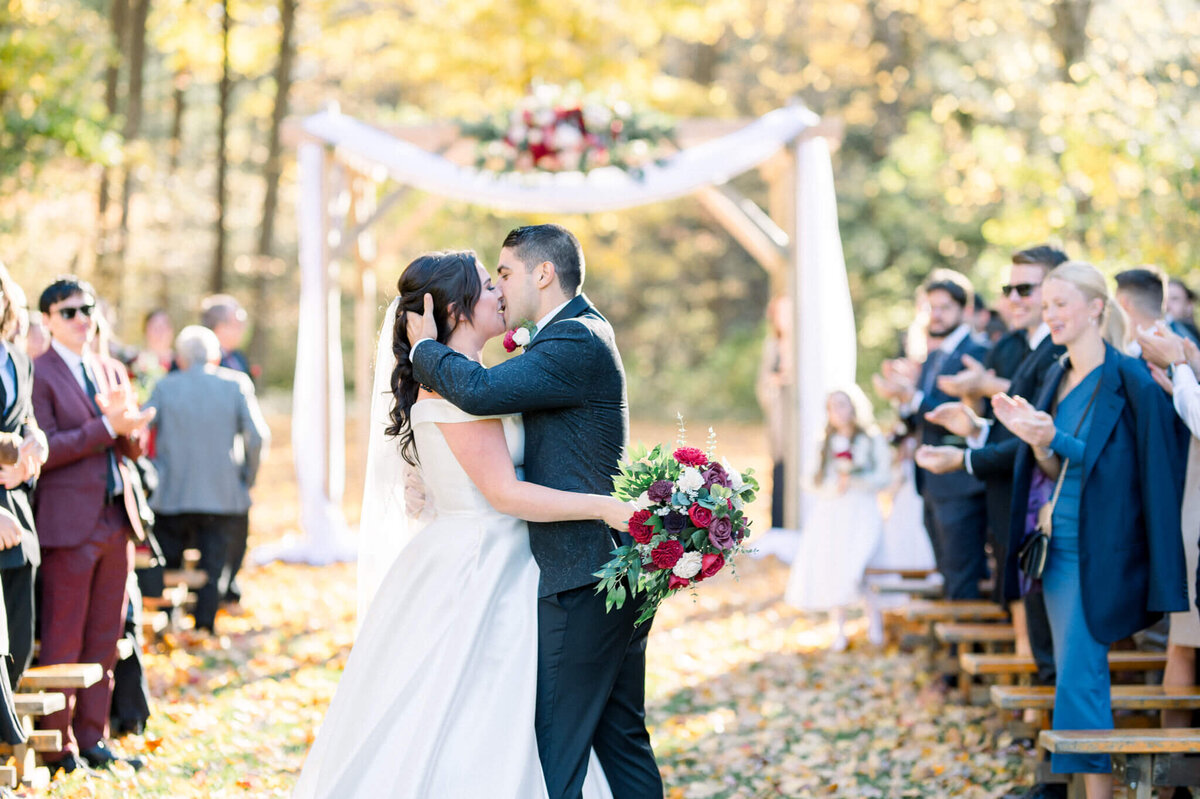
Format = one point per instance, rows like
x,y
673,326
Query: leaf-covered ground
x,y
743,701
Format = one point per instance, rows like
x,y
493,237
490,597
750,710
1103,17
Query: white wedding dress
x,y
437,699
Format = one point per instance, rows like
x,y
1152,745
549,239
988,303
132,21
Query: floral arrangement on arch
x,y
689,522
556,129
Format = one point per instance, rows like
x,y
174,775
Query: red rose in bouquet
x,y
700,515
675,583
710,564
641,532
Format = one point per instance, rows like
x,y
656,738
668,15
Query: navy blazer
x,y
19,418
953,484
570,387
1131,560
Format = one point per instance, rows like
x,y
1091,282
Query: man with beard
x,y
955,510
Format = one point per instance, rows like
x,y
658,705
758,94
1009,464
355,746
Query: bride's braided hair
x,y
452,279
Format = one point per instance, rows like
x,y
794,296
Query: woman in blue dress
x,y
1115,561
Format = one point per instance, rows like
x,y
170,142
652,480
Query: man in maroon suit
x,y
86,511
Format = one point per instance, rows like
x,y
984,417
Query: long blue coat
x,y
1131,560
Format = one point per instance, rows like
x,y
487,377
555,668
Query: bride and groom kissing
x,y
487,665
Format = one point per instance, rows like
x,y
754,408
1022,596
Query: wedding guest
x,y
37,336
160,337
1141,293
955,509
87,515
1181,309
1174,363
843,526
772,389
210,438
24,450
1100,420
1017,366
224,316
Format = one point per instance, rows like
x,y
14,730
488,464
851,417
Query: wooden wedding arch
x,y
343,162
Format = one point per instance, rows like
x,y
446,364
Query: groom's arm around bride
x,y
570,386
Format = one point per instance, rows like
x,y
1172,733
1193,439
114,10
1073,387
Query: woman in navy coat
x,y
1115,561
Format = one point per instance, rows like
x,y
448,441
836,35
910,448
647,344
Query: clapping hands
x,y
1034,427
897,379
956,417
120,408
31,454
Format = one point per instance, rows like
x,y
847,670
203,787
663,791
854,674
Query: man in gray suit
x,y
570,387
211,436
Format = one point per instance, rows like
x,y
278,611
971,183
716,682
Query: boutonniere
x,y
519,336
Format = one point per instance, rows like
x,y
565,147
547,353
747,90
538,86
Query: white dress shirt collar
x,y
545,320
1039,336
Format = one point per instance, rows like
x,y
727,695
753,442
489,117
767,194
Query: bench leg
x,y
1135,773
23,755
1075,788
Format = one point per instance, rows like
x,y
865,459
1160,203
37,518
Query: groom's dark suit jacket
x,y
570,386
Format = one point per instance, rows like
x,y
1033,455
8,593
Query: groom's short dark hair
x,y
534,244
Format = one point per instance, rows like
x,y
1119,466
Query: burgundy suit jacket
x,y
71,491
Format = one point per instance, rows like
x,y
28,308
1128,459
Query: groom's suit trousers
x,y
592,676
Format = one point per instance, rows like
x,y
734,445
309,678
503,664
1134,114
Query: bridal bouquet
x,y
689,523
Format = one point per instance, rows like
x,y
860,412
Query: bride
x,y
437,699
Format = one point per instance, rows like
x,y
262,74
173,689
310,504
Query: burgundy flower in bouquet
x,y
689,523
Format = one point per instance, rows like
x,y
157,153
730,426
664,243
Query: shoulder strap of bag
x,y
1062,472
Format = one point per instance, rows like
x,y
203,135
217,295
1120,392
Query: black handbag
x,y
1031,557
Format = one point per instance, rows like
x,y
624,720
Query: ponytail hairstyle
x,y
453,281
1114,325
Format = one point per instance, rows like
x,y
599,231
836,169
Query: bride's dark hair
x,y
453,280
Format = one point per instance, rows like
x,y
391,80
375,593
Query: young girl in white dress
x,y
843,525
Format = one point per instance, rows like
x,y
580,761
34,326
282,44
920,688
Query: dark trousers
x,y
958,528
18,604
239,534
82,613
777,494
1041,642
592,694
208,532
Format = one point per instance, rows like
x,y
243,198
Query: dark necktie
x,y
90,387
10,370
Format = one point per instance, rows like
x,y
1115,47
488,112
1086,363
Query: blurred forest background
x,y
141,148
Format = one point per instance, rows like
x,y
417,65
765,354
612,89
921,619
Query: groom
x,y
570,386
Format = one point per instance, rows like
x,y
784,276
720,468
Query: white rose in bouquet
x,y
688,565
690,480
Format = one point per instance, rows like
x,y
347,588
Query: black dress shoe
x,y
100,756
68,764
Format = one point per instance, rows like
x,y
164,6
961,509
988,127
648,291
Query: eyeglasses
x,y
69,313
1022,289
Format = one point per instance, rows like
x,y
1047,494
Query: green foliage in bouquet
x,y
688,524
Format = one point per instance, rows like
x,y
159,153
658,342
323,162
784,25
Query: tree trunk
x,y
1070,32
133,116
217,278
272,170
178,103
118,18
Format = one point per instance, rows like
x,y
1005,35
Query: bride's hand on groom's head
x,y
422,325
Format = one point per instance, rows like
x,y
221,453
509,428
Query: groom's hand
x,y
421,325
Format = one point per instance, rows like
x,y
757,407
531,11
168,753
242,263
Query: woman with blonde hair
x,y
843,525
1103,438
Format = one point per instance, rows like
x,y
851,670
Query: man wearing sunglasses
x,y
86,510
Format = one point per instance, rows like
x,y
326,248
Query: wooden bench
x,y
955,610
977,664
192,578
1124,697
61,676
174,597
24,758
1142,759
8,776
907,574
921,588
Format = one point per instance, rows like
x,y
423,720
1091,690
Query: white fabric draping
x,y
827,355
713,162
